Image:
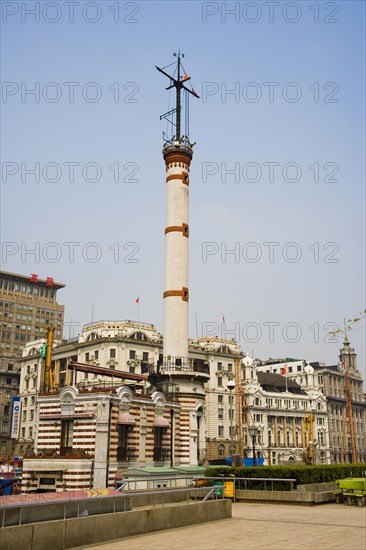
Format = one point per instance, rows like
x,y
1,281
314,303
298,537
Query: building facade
x,y
332,383
85,436
27,306
133,348
290,411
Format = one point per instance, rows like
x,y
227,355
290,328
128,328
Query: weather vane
x,y
178,81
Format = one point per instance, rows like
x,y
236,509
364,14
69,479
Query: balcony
x,y
183,365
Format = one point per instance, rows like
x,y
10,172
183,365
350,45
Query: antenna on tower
x,y
174,116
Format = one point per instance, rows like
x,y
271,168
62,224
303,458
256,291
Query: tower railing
x,y
183,364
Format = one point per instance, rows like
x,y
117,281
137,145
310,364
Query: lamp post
x,y
230,387
253,430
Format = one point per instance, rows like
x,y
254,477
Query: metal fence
x,y
35,512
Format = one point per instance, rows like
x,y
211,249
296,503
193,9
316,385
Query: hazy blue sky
x,y
292,131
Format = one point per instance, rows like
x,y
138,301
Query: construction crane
x,y
348,410
348,416
308,437
46,353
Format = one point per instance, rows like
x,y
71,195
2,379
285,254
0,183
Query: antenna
x,y
179,83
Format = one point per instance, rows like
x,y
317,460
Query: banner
x,y
15,418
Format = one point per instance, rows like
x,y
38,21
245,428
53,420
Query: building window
x,y
122,442
132,370
221,431
230,367
10,366
67,431
87,357
132,354
96,354
158,444
145,355
219,382
112,353
221,450
8,381
6,409
219,366
220,398
220,414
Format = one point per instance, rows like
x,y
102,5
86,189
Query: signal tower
x,y
176,370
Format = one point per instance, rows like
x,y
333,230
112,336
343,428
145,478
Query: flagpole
x,y
138,308
286,377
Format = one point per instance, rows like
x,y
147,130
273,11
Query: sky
x,y
277,197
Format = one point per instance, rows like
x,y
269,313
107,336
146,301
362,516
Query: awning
x,y
160,422
126,418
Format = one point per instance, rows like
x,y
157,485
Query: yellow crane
x,y
348,416
49,375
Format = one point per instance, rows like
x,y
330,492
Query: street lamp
x,y
230,387
253,430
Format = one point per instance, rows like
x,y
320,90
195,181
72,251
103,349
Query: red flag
x,y
223,318
137,299
283,371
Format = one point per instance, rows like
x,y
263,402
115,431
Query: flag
x,y
137,299
223,318
283,371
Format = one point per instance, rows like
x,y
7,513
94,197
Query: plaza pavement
x,y
257,526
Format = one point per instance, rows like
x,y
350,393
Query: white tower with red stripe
x,y
177,152
176,287
177,370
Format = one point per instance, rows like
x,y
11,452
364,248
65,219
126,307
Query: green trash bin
x,y
219,492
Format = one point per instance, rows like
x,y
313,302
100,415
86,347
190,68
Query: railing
x,y
183,364
47,508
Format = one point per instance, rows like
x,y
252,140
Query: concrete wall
x,y
71,533
286,497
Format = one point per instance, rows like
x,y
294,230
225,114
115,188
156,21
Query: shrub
x,y
303,474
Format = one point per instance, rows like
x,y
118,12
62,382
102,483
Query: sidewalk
x,y
263,527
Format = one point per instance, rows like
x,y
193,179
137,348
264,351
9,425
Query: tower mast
x,y
179,84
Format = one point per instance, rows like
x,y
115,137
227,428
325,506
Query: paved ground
x,y
263,527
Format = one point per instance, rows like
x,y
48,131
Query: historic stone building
x,y
332,382
109,348
85,435
290,411
27,306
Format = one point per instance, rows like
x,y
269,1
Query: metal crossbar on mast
x,y
179,83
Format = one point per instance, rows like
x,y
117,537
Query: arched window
x,y
221,450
